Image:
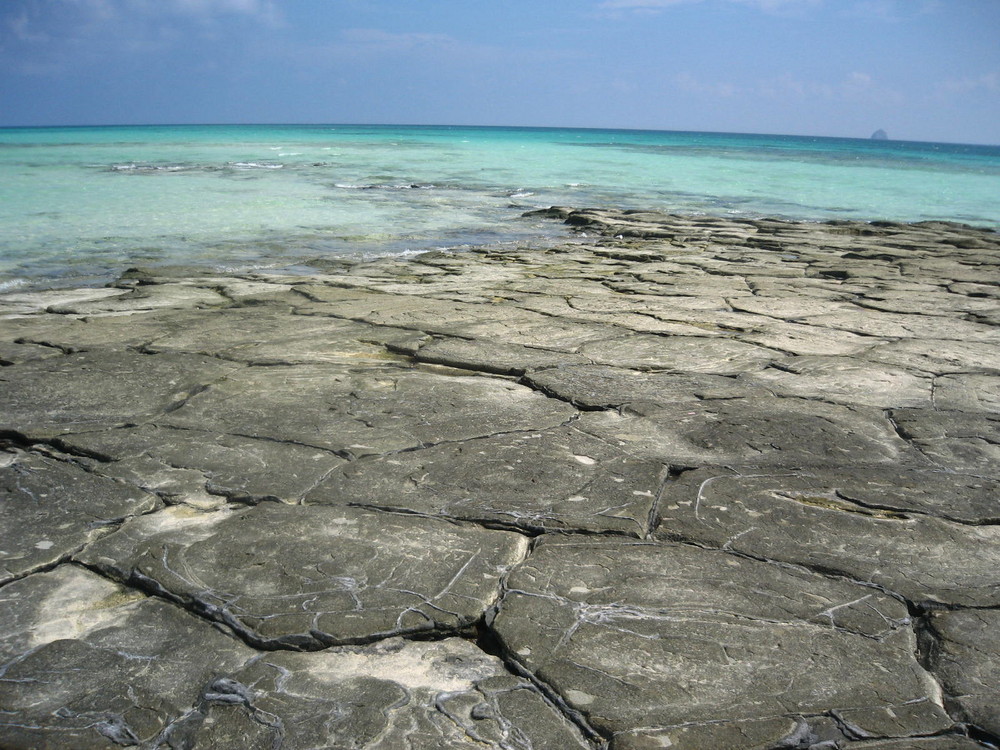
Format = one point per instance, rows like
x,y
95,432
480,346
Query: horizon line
x,y
486,127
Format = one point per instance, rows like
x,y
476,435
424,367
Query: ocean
x,y
80,205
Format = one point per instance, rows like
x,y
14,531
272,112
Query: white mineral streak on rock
x,y
81,604
420,664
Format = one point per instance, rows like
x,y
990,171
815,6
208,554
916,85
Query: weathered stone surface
x,y
951,742
307,577
178,295
204,468
491,356
11,353
393,694
794,338
657,636
679,354
968,393
49,509
843,523
90,664
605,387
558,479
844,380
100,389
894,325
966,658
275,336
753,431
705,483
361,412
937,356
959,441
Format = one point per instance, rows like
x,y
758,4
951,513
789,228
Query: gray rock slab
x,y
806,340
788,308
23,303
762,431
559,479
679,354
926,303
959,441
90,664
50,509
895,325
100,389
966,658
276,336
187,465
307,577
937,356
366,411
491,356
606,387
65,333
806,518
470,320
11,353
663,636
393,694
951,742
845,380
176,295
975,393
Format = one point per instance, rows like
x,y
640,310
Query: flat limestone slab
x,y
100,389
845,380
762,431
878,532
90,664
273,335
962,441
559,479
307,577
679,354
203,468
392,694
362,412
966,657
661,636
49,509
606,387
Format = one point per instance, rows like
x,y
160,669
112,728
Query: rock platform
x,y
676,482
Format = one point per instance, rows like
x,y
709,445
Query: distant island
x,y
879,135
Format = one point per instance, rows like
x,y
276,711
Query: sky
x,y
919,69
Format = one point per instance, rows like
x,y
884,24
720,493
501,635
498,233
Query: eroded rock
x,y
558,479
308,577
51,508
395,693
662,636
880,532
90,664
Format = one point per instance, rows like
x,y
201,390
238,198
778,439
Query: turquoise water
x,y
79,205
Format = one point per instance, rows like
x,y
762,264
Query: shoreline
x,y
692,482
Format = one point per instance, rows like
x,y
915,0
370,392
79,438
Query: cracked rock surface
x,y
684,482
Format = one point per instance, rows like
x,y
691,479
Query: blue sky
x,y
920,69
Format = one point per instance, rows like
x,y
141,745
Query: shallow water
x,y
78,205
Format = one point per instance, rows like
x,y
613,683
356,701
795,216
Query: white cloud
x,y
987,82
642,4
693,85
655,6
